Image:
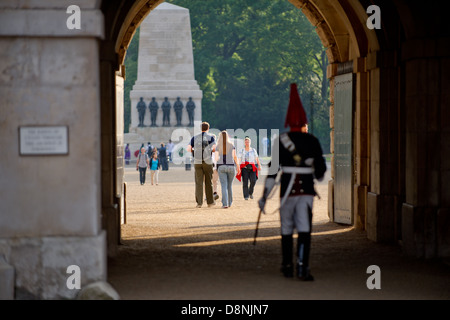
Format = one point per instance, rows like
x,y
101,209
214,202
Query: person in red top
x,y
249,160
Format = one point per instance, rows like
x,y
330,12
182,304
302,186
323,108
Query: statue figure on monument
x,y
141,109
166,112
190,106
153,107
178,107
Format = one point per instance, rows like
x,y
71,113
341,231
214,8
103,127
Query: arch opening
x,y
341,28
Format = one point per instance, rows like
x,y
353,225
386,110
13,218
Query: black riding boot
x,y
287,267
303,248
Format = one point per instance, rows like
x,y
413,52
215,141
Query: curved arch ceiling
x,y
341,26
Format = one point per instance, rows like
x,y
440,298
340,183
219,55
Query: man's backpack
x,y
202,142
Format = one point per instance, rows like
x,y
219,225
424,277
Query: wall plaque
x,y
43,140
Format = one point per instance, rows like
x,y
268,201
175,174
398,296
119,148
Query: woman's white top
x,y
248,156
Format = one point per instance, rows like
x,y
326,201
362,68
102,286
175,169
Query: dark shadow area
x,y
226,265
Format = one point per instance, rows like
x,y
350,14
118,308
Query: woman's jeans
x,y
226,176
248,174
154,175
142,174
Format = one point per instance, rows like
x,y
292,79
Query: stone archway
x,y
381,61
52,75
342,30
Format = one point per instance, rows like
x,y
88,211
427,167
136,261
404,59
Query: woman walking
x,y
142,164
226,162
215,176
250,165
154,168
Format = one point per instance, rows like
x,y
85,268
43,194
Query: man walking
x,y
202,146
300,159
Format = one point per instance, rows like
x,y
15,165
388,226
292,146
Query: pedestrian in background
x,y
142,164
249,164
170,147
154,166
202,146
127,154
226,163
150,149
163,157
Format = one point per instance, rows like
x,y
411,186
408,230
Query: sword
x,y
257,226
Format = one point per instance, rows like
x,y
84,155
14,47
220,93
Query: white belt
x,y
293,171
298,170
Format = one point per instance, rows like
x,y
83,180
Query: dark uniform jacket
x,y
306,146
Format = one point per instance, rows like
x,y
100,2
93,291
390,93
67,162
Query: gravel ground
x,y
174,251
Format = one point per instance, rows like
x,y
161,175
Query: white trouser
x,y
154,173
294,213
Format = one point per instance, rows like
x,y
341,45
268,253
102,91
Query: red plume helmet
x,y
296,116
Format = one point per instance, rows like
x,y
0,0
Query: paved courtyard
x,y
172,250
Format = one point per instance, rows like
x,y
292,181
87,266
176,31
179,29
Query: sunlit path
x,y
172,250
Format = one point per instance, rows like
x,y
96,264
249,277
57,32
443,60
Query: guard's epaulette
x,y
290,146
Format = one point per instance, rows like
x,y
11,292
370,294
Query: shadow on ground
x,y
226,265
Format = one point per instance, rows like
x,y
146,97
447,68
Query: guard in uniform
x,y
300,160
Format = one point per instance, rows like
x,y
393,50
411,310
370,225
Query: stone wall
x,y
50,207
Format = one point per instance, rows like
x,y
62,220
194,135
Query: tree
x,y
131,65
246,54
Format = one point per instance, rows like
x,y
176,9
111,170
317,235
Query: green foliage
x,y
246,54
131,64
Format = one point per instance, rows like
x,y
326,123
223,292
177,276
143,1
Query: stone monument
x,y
165,77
